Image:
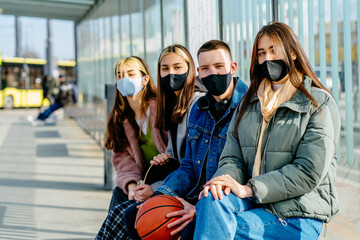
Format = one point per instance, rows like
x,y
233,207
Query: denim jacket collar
x,y
239,92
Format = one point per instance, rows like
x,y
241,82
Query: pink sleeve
x,y
127,170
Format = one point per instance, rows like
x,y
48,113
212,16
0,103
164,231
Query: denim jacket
x,y
205,142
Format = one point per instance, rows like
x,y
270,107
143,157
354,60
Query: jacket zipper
x,y
258,132
282,221
267,140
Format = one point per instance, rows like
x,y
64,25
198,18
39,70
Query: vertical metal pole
x,y
26,74
76,54
130,23
142,4
334,51
248,54
254,19
162,23
221,20
109,173
311,33
275,10
335,62
348,85
186,23
291,13
300,21
236,11
120,40
322,47
18,51
49,57
281,6
268,7
242,50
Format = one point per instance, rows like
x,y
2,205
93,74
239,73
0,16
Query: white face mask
x,y
129,86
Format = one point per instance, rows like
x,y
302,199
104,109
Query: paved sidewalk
x,y
51,180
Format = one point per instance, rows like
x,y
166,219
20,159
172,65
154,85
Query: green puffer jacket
x,y
299,155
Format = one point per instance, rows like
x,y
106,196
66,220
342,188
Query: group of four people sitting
x,y
256,162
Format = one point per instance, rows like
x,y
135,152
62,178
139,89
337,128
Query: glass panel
x,y
33,37
137,28
7,36
125,29
241,22
63,39
115,20
153,35
173,22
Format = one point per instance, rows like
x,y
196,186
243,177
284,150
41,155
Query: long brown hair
x,y
186,92
115,138
287,44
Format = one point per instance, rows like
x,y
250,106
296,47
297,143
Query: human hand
x,y
143,192
160,159
227,184
186,215
131,189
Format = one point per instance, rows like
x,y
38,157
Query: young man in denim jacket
x,y
206,135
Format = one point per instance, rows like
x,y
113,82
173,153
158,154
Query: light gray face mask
x,y
129,86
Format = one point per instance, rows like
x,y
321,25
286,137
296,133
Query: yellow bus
x,y
15,92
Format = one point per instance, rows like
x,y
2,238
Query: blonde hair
x,y
176,50
115,138
133,62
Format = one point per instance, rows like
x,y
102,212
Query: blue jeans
x,y
52,108
236,218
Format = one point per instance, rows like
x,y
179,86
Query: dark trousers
x,y
52,108
118,197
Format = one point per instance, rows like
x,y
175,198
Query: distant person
x,y
67,95
48,85
276,175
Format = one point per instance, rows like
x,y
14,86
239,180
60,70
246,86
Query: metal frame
x,y
74,10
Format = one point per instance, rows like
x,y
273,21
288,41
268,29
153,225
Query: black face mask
x,y
174,82
274,70
217,84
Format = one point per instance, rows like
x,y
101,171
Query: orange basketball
x,y
151,221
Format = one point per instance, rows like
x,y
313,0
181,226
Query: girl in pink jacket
x,y
131,132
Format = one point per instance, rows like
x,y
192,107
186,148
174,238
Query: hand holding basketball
x,y
185,216
151,220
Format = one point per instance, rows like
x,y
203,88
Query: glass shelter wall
x,y
327,29
329,32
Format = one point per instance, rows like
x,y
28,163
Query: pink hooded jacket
x,y
129,163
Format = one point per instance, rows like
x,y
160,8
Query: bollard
x,y
109,172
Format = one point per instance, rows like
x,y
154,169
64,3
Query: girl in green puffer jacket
x,y
276,175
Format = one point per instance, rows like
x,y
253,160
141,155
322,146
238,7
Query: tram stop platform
x,y
52,182
51,179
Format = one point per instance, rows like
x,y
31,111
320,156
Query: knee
x,y
208,201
